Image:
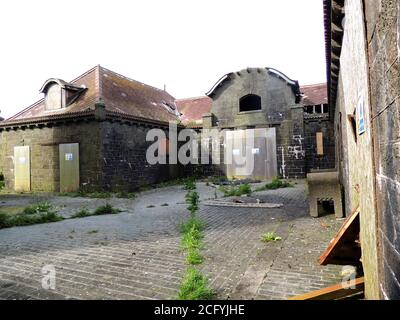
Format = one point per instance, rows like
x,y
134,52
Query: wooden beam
x,y
335,292
344,247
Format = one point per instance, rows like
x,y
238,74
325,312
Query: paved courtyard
x,y
137,255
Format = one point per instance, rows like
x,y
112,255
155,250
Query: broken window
x,y
251,102
309,109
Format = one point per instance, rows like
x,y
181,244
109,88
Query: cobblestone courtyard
x,y
136,254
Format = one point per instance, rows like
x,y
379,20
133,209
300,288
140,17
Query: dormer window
x,y
60,94
53,98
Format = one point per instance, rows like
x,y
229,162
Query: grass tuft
x,y
234,191
81,214
189,184
192,199
194,287
24,219
106,209
190,223
126,195
42,207
194,257
270,236
275,184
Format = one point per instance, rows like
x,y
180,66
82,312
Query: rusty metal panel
x,y
69,167
22,168
261,144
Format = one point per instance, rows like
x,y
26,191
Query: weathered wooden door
x,y
22,169
69,167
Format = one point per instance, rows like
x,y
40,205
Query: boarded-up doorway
x,y
261,144
22,169
69,167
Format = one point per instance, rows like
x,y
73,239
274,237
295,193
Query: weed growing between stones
x,y
192,199
189,184
81,214
270,236
275,184
34,214
194,286
106,209
44,212
234,191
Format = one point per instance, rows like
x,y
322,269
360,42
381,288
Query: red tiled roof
x,y
192,109
120,94
314,94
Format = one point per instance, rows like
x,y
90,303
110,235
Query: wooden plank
x,y
335,292
344,248
320,144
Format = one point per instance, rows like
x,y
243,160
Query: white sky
x,y
186,44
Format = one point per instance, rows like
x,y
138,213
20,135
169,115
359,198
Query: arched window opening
x,y
251,102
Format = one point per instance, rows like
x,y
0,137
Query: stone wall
x,y
44,149
383,32
112,156
356,166
313,160
290,145
124,164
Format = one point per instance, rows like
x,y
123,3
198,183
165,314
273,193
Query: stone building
x,y
363,62
296,120
89,133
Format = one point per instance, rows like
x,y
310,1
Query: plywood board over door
x,y
22,169
69,167
260,144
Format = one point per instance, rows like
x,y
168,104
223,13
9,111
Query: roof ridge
x,y
26,109
84,74
193,98
313,85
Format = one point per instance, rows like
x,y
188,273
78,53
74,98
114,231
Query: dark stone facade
x,y
313,160
124,164
112,155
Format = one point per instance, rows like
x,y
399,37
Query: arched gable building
x,y
297,135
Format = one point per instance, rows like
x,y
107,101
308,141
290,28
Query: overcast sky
x,y
185,44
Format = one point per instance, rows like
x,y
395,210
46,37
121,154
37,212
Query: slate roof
x,y
314,94
193,109
120,94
